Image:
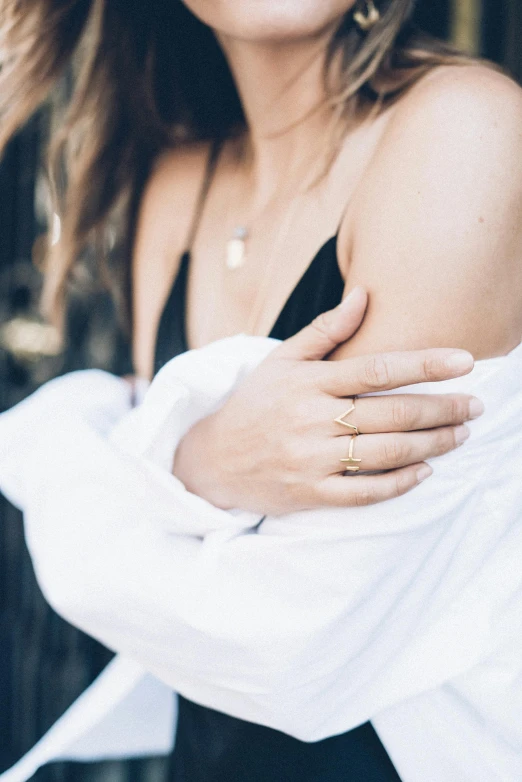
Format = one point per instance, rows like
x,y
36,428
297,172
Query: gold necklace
x,y
260,299
262,292
236,247
235,251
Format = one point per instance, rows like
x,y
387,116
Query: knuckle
x,y
458,410
441,442
365,495
405,414
402,483
446,442
433,368
454,409
395,452
376,372
321,324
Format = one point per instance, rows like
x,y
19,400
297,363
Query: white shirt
x,y
407,613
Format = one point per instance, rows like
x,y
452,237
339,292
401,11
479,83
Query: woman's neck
x,y
281,87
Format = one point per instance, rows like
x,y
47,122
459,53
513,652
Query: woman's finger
x,y
405,412
327,331
400,449
357,490
386,371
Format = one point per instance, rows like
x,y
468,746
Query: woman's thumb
x,y
328,330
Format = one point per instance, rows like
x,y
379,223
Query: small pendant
x,y
236,248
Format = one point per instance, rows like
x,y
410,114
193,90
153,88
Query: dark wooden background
x,y
44,662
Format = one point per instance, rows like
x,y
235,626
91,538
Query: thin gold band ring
x,y
350,462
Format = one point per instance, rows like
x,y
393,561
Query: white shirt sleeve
x,y
310,623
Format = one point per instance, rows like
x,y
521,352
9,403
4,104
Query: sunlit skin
x,y
427,199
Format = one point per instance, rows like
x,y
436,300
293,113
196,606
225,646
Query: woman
x,y
400,138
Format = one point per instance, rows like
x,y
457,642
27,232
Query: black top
x,y
319,289
214,747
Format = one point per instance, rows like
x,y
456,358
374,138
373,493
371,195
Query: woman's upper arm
x,y
437,223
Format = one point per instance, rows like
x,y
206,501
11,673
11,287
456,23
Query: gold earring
x,y
368,20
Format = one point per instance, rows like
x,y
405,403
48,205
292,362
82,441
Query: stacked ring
x,y
341,418
350,462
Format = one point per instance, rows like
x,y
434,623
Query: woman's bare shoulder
x,y
451,92
436,227
171,192
165,214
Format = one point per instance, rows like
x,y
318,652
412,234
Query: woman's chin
x,y
270,21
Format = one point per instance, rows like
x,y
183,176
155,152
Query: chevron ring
x,y
341,420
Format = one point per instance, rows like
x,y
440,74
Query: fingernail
x,y
354,294
476,408
461,434
424,472
460,362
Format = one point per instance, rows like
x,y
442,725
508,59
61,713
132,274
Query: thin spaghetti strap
x,y
210,169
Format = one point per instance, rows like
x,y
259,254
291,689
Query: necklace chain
x,y
260,299
236,248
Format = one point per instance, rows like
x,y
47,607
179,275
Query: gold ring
x,y
341,418
352,464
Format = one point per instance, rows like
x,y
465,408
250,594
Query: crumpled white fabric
x,y
408,613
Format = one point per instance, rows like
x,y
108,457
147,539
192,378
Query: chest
x,y
319,289
214,301
276,259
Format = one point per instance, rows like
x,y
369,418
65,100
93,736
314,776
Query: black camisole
x,y
214,747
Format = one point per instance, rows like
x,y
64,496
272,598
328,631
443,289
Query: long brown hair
x,y
148,76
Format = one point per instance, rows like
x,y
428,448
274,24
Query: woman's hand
x,y
274,447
